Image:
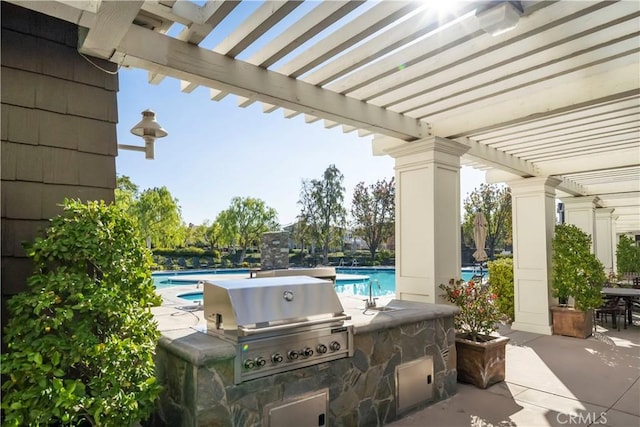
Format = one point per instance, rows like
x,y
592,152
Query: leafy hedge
x,y
501,282
81,339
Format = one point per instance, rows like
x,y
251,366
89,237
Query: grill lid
x,y
263,302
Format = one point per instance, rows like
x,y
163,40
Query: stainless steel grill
x,y
278,324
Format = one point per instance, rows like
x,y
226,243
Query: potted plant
x,y
578,274
81,339
628,257
480,356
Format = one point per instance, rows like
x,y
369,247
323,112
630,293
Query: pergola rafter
x,y
556,96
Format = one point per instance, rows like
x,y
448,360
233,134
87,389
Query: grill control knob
x,y
321,348
292,355
249,364
334,346
307,352
260,362
276,358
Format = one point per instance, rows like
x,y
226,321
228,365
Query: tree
x,y
322,207
301,234
160,218
195,235
245,221
212,235
126,194
228,230
495,203
373,210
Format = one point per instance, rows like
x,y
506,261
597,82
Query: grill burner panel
x,y
257,358
277,324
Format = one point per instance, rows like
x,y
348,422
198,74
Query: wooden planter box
x,y
570,322
481,363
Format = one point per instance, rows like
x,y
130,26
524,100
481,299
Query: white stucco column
x,y
533,216
606,238
427,217
581,212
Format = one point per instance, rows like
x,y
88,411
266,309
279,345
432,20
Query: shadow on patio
x,y
551,381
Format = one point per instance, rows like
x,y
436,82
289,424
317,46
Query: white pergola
x,y
553,103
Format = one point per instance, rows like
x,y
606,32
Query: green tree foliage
x,y
159,217
246,220
205,235
301,233
196,235
126,194
212,235
576,272
373,210
501,283
81,339
228,229
495,203
627,256
322,207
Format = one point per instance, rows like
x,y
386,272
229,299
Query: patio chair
x,y
610,306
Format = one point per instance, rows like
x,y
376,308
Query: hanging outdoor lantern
x,y
149,129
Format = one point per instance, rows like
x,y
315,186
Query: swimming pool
x,y
165,279
351,281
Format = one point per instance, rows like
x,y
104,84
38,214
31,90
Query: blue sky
x,y
217,150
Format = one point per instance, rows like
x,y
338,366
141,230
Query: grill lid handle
x,y
244,331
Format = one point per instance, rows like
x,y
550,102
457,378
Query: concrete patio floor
x,y
551,381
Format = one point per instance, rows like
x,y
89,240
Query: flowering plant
x,y
479,315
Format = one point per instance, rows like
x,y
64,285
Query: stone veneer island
x,y
371,388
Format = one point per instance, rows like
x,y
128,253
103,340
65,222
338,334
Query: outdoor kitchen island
x,y
381,363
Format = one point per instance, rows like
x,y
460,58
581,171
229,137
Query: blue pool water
x,y
382,280
192,296
175,278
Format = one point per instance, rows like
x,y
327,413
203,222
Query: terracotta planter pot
x,y
481,363
570,322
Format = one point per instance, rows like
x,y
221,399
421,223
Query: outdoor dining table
x,y
627,294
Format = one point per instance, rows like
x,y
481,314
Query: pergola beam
x,y
112,23
159,53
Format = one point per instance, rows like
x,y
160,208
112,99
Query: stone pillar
x,y
274,250
533,207
606,238
581,212
427,217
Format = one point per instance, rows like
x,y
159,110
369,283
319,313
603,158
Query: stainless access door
x,y
308,410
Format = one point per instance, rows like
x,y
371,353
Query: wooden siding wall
x,y
59,116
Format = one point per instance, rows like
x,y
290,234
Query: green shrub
x,y
501,282
191,251
627,256
384,256
576,272
81,339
